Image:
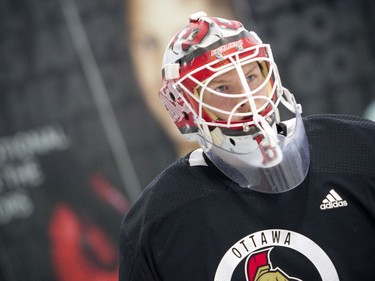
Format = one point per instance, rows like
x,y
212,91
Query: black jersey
x,y
193,223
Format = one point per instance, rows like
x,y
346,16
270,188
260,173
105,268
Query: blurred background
x,y
82,132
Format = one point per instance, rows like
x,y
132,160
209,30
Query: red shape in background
x,y
80,251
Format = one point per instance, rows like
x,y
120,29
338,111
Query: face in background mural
x,y
151,24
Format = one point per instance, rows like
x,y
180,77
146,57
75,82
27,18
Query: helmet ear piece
x,y
173,100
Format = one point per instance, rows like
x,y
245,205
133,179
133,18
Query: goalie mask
x,y
222,89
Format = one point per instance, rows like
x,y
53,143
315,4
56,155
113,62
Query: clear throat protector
x,y
260,166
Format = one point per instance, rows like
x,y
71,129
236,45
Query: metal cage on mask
x,y
195,85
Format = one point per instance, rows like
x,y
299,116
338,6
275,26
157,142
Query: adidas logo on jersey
x,y
332,201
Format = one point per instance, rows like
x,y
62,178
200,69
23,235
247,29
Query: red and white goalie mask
x,y
222,88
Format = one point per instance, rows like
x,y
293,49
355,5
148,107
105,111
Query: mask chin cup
x,y
287,168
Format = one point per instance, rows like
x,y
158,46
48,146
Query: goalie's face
x,y
225,95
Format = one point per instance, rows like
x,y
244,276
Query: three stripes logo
x,y
332,201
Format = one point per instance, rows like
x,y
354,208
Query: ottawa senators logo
x,y
259,268
275,255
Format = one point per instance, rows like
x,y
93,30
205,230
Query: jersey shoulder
x,y
184,181
349,121
341,143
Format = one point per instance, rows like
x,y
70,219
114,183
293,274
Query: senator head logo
x,y
259,268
